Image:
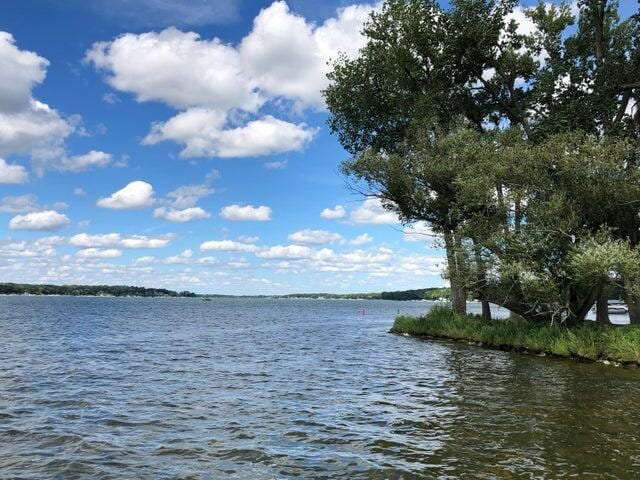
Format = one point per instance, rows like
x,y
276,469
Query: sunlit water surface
x,y
99,388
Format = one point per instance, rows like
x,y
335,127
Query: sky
x,y
184,145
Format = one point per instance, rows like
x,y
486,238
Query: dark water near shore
x,y
101,388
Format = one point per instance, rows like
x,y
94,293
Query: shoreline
x,y
617,345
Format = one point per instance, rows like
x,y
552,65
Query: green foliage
x,y
590,342
517,147
94,290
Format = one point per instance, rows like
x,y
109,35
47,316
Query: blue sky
x,y
184,145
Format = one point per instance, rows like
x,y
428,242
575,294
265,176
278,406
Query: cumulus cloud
x,y
21,71
227,246
181,216
289,56
45,220
361,239
183,257
28,126
38,131
202,132
136,194
99,253
334,213
243,213
79,163
40,248
177,68
372,211
284,56
314,237
12,173
118,240
19,203
26,203
288,251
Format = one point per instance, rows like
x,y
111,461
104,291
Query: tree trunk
x,y
486,310
602,308
633,304
579,308
481,282
456,277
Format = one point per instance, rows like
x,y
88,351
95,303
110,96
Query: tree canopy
x,y
513,131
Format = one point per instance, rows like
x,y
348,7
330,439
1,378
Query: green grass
x,y
589,342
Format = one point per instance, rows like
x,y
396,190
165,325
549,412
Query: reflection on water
x,y
252,389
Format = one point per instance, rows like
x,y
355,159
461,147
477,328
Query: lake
x,y
100,388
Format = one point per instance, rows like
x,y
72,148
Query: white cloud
x,y
288,251
333,213
361,239
314,237
19,203
79,163
99,253
118,240
37,131
183,257
177,68
110,98
181,216
203,134
367,257
188,195
372,211
288,55
79,192
220,88
276,165
227,246
28,126
246,239
237,263
40,248
284,55
246,213
26,203
12,173
136,194
142,241
21,71
144,260
45,220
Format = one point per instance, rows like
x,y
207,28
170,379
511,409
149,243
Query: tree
x,y
425,67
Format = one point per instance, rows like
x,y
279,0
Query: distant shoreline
x,y
39,290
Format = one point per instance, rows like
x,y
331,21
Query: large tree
x,y
425,67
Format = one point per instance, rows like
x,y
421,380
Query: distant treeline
x,y
418,294
80,290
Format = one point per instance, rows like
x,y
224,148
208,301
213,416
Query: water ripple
x,y
95,388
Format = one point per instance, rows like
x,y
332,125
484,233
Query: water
x,y
101,388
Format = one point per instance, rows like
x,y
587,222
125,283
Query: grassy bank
x,y
589,342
